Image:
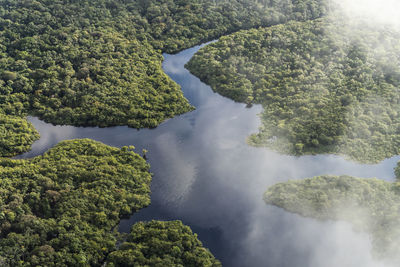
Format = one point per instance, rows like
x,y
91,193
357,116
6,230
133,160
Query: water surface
x,y
207,176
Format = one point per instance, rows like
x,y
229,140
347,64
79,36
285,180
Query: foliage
x,y
174,24
75,66
159,243
325,87
60,209
16,135
370,205
98,63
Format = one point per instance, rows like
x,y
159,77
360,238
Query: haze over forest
x,y
323,74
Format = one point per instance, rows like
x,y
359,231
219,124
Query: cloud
x,y
382,12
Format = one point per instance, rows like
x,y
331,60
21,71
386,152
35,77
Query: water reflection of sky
x,y
206,176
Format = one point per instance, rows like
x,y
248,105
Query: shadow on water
x,y
207,176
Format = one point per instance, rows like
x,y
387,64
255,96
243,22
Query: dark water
x,y
206,176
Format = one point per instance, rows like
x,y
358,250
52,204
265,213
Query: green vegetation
x,y
370,205
176,24
98,63
60,209
159,243
83,63
325,87
16,135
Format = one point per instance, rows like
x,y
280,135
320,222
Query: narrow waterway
x,y
207,176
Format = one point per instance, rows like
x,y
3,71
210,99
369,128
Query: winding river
x,y
207,176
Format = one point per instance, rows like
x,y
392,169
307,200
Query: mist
x,y
382,12
343,245
207,176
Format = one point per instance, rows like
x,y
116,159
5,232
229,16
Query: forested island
x,y
370,205
326,86
158,243
98,63
62,209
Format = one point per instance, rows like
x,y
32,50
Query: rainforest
x,y
370,205
145,133
98,63
325,87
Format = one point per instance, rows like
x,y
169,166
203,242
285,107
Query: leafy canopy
x,y
370,205
159,243
60,209
325,87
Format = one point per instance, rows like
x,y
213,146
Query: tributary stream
x,y
207,176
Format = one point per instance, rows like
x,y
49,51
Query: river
x,y
207,176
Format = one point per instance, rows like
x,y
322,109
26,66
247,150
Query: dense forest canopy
x,y
16,135
370,205
165,244
98,63
326,87
175,25
60,209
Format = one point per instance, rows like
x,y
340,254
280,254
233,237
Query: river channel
x,y
207,176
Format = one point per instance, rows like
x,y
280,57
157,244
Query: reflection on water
x,y
206,176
